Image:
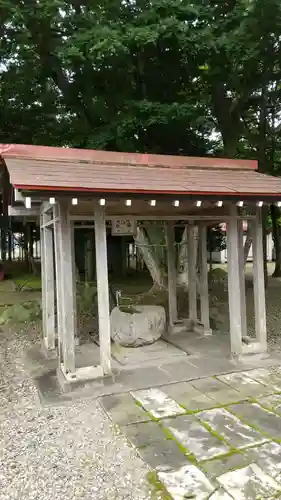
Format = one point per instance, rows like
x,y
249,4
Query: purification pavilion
x,y
64,186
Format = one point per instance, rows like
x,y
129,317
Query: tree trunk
x,y
275,214
150,259
210,261
248,244
183,260
10,245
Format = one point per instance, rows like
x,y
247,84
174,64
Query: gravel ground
x,y
273,312
65,452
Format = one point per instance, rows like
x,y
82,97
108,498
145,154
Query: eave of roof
x,y
48,169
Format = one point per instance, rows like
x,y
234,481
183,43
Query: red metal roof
x,y
64,169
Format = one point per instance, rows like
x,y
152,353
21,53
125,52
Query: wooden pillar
x,y
259,284
242,277
192,273
234,283
48,286
66,293
172,273
203,281
103,291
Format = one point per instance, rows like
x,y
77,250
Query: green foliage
x,y
158,76
216,239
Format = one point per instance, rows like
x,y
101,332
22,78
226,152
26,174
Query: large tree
x,y
168,76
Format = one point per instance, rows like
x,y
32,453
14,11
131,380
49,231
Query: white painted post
x,y
48,285
242,277
234,283
67,300
58,281
259,286
172,273
203,281
103,291
192,274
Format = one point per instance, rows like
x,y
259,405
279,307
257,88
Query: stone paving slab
x,y
271,402
163,455
249,483
244,384
186,395
225,397
221,465
268,457
143,434
123,410
270,379
195,438
187,482
220,494
205,438
259,418
158,403
236,433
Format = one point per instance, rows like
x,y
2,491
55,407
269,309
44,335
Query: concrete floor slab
x,y
159,351
209,385
182,370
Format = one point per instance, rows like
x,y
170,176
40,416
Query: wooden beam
x,y
176,217
23,212
103,291
172,273
259,284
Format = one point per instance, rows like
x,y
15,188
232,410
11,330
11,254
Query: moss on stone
x,y
169,435
159,491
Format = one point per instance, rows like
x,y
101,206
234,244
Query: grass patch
x,y
30,281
